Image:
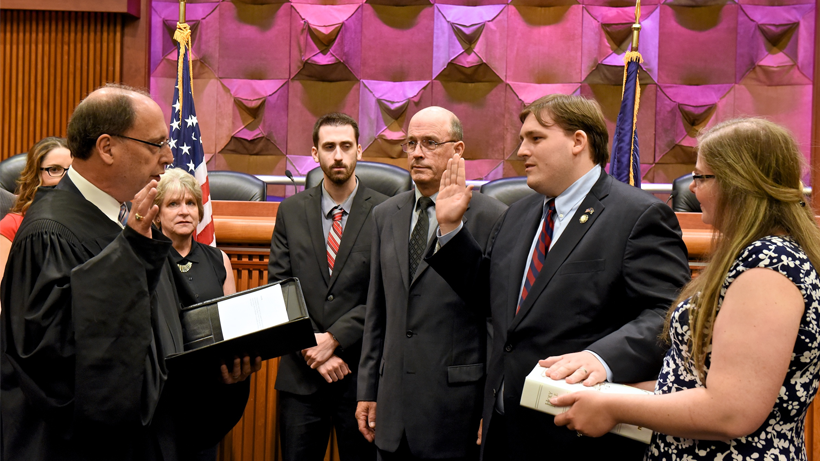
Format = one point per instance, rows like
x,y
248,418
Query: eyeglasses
x,y
427,145
699,178
55,171
159,145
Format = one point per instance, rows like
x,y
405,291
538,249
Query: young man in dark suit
x,y
581,274
322,236
423,359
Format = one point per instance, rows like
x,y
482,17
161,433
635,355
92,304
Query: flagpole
x,y
636,28
182,12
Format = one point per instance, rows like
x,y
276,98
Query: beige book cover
x,y
539,389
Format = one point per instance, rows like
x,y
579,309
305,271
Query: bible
x,y
539,389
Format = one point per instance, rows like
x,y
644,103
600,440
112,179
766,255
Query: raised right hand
x,y
453,195
143,211
366,416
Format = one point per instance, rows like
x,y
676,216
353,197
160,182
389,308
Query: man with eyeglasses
x,y
90,310
422,369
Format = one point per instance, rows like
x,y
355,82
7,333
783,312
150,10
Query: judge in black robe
x,y
89,314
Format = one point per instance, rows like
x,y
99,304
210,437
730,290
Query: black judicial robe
x,y
89,312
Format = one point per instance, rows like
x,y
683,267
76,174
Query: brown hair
x,y
179,181
334,119
112,114
757,168
573,113
31,177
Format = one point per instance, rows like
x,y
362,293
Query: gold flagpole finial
x,y
182,11
636,28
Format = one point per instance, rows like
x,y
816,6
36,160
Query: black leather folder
x,y
205,345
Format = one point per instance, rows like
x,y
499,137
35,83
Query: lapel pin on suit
x,y
585,217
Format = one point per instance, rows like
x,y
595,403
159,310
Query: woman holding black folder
x,y
743,364
201,272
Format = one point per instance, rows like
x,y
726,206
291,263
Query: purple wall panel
x,y
265,70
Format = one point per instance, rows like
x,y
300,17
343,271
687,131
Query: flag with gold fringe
x,y
186,140
625,161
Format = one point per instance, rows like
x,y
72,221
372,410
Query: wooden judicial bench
x,y
243,231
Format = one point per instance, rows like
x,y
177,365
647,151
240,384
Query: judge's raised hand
x,y
242,368
453,195
143,210
575,367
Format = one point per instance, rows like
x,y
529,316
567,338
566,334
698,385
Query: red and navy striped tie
x,y
539,253
334,237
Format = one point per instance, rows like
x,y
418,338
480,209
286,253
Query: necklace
x,y
185,267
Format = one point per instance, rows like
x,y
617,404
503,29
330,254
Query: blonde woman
x,y
206,271
742,368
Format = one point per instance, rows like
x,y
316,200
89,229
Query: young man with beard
x,y
322,236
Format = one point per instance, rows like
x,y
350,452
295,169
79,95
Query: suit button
x,y
330,298
508,347
409,333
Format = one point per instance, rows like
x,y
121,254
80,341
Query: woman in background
x,y
206,270
46,164
201,272
743,364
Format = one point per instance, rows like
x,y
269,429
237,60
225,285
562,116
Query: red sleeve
x,y
9,225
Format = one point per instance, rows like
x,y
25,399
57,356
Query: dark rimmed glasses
x,y
158,145
55,171
427,145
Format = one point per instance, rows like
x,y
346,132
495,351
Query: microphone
x,y
290,176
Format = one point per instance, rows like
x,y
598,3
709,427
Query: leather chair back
x,y
683,199
10,170
7,200
233,185
508,190
381,177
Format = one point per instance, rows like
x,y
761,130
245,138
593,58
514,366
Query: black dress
x,y
203,278
199,277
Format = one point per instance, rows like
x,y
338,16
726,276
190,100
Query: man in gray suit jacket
x,y
580,274
322,236
423,356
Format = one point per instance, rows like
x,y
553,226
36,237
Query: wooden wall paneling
x,y
51,60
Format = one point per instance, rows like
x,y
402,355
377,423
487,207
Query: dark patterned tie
x,y
123,216
418,239
539,253
334,237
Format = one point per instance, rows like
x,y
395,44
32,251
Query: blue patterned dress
x,y
781,437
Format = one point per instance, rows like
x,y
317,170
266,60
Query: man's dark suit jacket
x,y
605,286
423,359
335,303
89,314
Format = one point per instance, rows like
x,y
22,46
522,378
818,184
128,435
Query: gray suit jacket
x,y
423,357
335,304
605,286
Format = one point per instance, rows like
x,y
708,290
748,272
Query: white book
x,y
539,389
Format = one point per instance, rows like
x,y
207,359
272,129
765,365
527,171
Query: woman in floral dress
x,y
742,368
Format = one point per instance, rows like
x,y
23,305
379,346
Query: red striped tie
x,y
334,237
539,253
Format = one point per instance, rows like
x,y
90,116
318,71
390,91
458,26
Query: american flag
x,y
186,144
